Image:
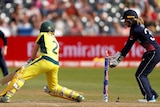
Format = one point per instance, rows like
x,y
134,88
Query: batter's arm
x,y
35,50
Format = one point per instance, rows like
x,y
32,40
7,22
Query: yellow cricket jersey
x,y
49,46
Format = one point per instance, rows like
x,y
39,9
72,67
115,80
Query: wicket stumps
x,y
105,86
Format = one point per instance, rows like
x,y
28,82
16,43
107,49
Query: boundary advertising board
x,y
76,50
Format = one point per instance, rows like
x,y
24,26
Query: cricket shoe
x,y
145,100
80,98
4,99
46,89
156,96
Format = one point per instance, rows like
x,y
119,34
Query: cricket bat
x,y
8,77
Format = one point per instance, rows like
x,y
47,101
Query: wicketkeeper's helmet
x,y
46,27
130,14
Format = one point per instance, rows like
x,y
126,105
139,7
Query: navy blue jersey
x,y
4,39
143,36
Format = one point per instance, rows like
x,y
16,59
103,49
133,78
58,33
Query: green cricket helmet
x,y
46,27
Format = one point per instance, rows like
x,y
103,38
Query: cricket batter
x,y
3,52
47,62
150,58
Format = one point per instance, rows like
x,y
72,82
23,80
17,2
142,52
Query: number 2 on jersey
x,y
55,48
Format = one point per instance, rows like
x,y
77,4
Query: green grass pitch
x,y
89,81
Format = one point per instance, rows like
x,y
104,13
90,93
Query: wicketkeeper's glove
x,y
115,60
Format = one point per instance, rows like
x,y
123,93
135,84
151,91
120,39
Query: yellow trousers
x,y
38,66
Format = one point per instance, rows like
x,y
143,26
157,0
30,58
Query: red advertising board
x,y
87,48
75,48
19,48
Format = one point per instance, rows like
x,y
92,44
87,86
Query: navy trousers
x,y
3,65
149,61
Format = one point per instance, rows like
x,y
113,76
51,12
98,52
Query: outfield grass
x,y
89,81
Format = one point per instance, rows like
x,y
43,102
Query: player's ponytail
x,y
140,20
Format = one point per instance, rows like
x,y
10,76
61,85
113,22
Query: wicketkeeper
x,y
151,57
47,62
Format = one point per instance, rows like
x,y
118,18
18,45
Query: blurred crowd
x,y
75,17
